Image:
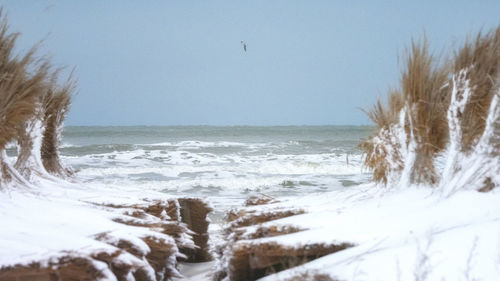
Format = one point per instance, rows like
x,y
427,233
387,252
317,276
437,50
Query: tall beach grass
x,y
32,109
440,109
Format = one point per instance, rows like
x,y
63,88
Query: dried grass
x,y
29,92
382,116
25,145
56,104
481,56
31,131
424,94
21,83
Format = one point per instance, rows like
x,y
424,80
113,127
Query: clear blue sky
x,y
181,62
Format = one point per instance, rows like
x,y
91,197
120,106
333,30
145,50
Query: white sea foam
x,y
68,145
197,144
224,167
161,161
220,175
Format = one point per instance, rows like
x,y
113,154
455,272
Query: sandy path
x,y
196,271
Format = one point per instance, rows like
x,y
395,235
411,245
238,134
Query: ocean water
x,y
223,164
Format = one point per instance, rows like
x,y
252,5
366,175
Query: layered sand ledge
x,y
364,233
69,233
360,233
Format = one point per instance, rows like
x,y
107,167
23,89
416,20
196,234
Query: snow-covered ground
x,y
410,234
196,271
56,219
399,234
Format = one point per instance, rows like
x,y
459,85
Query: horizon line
x,y
238,125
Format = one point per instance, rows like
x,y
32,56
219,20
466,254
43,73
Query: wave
x,y
68,145
222,167
231,174
195,143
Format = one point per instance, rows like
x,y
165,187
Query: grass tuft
x,y
29,92
481,56
56,105
415,117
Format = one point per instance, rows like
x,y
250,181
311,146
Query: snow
x,y
401,232
415,233
196,271
412,234
469,170
58,218
405,231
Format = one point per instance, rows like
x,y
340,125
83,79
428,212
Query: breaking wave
x,y
276,165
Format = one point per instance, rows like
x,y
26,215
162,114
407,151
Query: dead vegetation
x,y
426,98
33,106
379,157
418,108
21,82
413,128
56,105
481,56
31,103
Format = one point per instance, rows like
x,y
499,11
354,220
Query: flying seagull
x,y
49,7
244,45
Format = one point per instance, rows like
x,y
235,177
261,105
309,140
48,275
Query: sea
x,y
224,165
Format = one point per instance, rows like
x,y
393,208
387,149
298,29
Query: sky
x,y
182,63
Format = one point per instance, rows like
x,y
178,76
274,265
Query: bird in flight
x,y
244,45
49,7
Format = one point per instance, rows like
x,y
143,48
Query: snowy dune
x,y
59,220
411,234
